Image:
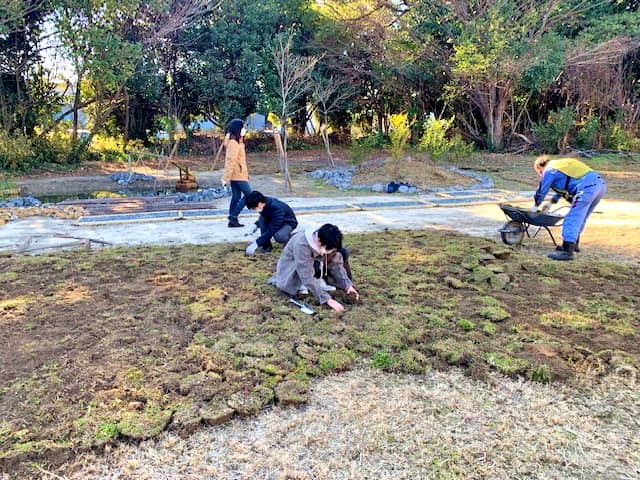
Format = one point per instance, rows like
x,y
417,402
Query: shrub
x,y
617,138
399,134
110,149
16,153
361,148
553,136
588,133
439,144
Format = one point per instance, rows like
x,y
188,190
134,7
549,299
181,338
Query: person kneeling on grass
x,y
311,259
276,221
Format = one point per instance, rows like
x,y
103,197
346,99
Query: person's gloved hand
x,y
251,248
252,231
544,206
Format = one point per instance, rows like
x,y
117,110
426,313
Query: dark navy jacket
x,y
275,214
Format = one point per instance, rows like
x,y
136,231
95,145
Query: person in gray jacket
x,y
311,257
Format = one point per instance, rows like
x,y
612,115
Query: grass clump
x,y
568,319
506,363
383,360
540,374
336,360
466,325
493,309
452,351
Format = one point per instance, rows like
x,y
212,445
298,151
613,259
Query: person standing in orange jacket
x,y
235,170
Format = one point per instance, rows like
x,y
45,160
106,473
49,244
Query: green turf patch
x,y
127,342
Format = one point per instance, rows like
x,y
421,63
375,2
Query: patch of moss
x,y
550,281
488,327
141,425
17,304
493,309
466,325
336,360
247,403
452,351
507,364
134,377
107,431
412,361
568,319
8,276
541,374
293,391
383,360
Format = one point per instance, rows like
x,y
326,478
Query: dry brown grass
x,y
419,172
365,424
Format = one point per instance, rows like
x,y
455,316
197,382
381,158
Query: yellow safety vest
x,y
570,167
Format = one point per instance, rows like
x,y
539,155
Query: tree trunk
x,y
127,118
496,135
285,160
76,105
492,103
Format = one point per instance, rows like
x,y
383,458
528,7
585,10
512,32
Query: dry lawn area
x,y
366,424
118,345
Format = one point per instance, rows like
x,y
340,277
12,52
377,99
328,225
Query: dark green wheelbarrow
x,y
523,221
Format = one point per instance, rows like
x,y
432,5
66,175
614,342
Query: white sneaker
x,y
327,288
303,290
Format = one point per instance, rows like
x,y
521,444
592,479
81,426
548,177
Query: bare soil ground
x,y
122,344
125,343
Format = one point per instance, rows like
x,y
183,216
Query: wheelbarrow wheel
x,y
512,232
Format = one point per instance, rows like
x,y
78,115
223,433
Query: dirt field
x,y
121,344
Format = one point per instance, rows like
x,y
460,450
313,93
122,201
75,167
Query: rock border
x,y
341,179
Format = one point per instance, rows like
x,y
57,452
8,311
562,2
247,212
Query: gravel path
x,y
371,425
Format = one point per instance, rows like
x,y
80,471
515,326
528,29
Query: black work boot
x,y
234,223
266,248
576,249
566,253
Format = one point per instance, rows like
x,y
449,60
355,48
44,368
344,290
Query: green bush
x,y
439,144
109,149
16,153
588,133
20,153
399,134
617,138
361,148
553,135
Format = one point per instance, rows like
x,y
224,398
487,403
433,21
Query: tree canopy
x,y
502,69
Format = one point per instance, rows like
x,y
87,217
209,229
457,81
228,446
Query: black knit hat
x,y
234,127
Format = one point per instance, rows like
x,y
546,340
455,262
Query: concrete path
x,y
471,212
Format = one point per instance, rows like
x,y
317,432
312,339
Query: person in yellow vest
x,y
579,185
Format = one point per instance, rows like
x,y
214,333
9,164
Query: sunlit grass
x,y
150,332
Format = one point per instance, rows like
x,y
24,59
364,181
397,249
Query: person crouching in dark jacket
x,y
276,221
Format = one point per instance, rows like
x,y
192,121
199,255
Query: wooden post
x,y
327,146
278,140
215,160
